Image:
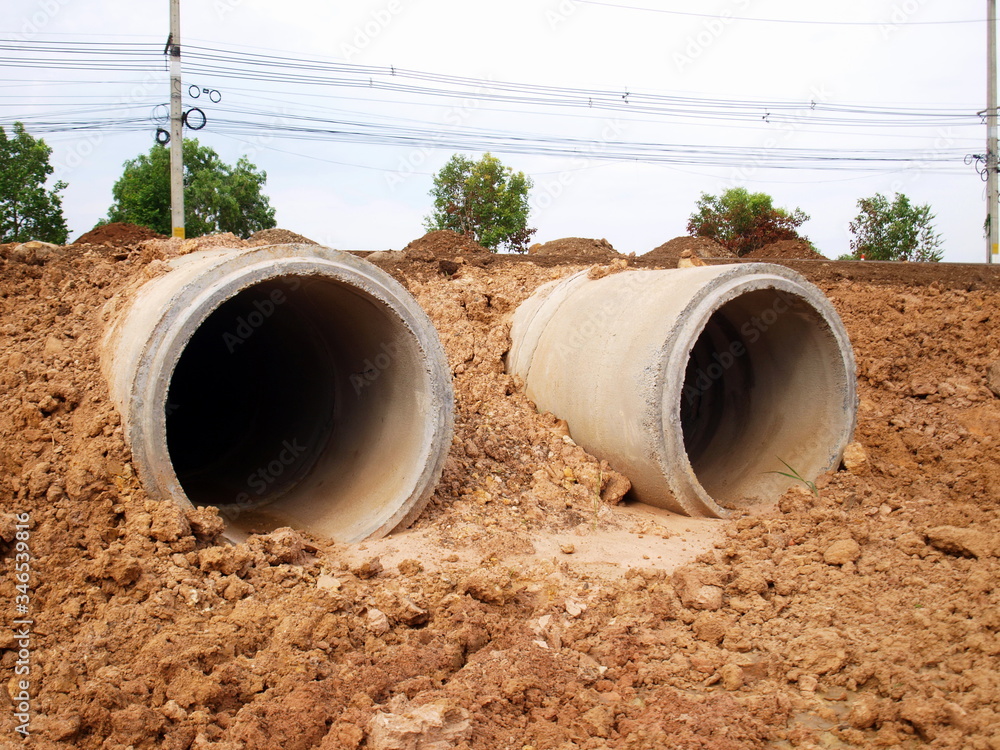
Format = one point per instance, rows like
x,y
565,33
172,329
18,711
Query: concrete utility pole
x,y
176,123
993,243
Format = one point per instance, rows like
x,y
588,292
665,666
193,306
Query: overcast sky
x,y
900,55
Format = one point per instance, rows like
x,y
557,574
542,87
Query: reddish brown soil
x,y
277,237
785,250
868,616
116,233
576,248
442,244
667,254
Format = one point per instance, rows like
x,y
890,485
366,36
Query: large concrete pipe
x,y
695,383
289,385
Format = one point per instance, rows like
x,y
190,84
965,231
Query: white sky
x,y
369,197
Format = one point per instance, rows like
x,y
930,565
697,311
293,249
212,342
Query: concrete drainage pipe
x,y
695,383
287,385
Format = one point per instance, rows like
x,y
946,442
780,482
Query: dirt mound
x,y
864,616
577,248
785,250
117,233
442,244
277,236
669,252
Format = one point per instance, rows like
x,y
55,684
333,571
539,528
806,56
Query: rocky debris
x,y
841,552
438,725
669,253
855,458
689,260
35,253
962,541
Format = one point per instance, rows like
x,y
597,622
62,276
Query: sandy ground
x,y
530,606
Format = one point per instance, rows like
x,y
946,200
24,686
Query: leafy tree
x,y
217,197
742,221
484,200
894,231
27,210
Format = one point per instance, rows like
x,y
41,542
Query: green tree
x,y
484,200
894,231
742,221
27,210
217,197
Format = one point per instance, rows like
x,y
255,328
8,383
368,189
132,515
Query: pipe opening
x,y
297,402
764,383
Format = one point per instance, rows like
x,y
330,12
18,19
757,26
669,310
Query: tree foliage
x,y
742,221
217,197
27,210
484,200
894,231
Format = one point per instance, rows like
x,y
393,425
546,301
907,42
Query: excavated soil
x,y
278,237
576,247
667,254
785,250
116,233
865,616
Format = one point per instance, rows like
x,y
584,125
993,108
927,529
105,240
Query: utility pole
x,y
993,243
177,123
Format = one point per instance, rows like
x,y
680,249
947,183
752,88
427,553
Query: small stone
x,y
567,549
732,677
54,347
440,724
410,567
993,378
954,540
864,713
575,608
377,621
855,458
368,569
328,582
842,552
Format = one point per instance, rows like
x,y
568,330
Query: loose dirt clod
x,y
864,617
